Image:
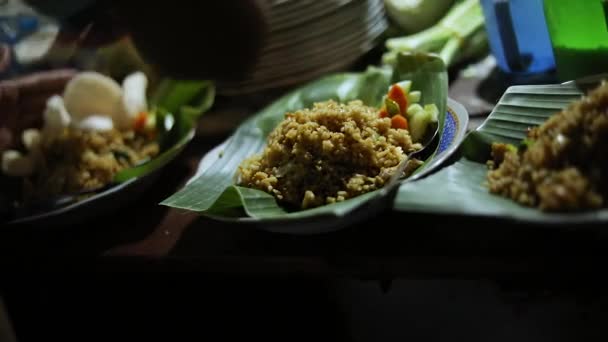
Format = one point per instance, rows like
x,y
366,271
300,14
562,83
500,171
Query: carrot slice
x,y
399,122
397,94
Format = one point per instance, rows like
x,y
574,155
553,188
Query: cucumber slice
x,y
419,123
413,97
433,110
413,109
405,85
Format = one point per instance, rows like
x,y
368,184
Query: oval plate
x,y
186,101
100,203
456,122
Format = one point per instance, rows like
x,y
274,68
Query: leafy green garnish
x,y
176,106
526,143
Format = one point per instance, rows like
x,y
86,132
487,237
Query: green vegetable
x,y
150,122
405,85
459,33
413,97
118,154
392,108
415,15
433,95
418,124
433,111
176,107
526,143
420,120
413,110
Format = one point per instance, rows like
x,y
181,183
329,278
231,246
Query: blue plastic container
x,y
518,36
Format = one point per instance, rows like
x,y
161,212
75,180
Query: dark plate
x,y
97,205
101,203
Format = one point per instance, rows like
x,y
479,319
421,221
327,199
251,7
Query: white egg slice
x,y
134,98
98,123
56,118
91,93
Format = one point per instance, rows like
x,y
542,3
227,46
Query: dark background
x,y
186,307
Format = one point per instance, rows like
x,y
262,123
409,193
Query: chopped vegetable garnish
x,y
405,85
526,143
414,96
397,94
419,123
401,106
413,109
433,110
383,112
399,121
392,107
118,154
140,121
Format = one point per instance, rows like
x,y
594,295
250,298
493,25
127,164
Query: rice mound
x,y
565,167
79,161
329,153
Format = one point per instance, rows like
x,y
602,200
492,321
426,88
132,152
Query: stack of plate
x,y
309,38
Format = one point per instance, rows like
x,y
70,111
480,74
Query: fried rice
x,y
80,161
328,153
563,165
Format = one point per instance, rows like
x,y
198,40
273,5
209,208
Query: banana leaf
x,y
459,189
214,193
177,104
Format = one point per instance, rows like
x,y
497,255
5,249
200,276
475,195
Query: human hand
x,y
22,102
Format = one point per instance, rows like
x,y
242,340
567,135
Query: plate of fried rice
x,y
357,166
318,167
98,144
331,152
539,158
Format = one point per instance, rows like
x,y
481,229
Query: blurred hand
x,y
5,57
23,100
184,39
